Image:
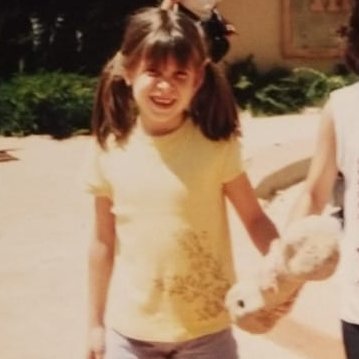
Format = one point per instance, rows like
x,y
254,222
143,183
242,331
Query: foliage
x,y
60,104
72,36
281,90
46,103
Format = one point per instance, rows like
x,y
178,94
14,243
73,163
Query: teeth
x,y
162,101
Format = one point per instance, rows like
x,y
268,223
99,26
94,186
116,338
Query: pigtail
x,y
113,106
214,108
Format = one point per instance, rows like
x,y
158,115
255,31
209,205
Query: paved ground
x,y
44,229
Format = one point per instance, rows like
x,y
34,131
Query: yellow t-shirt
x,y
173,262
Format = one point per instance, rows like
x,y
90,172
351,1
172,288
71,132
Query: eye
x,y
181,75
152,72
241,303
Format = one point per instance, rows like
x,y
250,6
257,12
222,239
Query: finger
x,y
99,355
98,341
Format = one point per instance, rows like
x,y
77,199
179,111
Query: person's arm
x,y
101,257
260,228
319,184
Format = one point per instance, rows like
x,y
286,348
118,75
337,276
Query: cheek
x,y
141,87
190,90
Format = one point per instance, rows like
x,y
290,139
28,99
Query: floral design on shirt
x,y
205,284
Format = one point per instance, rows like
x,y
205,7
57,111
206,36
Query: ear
x,y
200,76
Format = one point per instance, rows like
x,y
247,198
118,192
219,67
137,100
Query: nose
x,y
164,85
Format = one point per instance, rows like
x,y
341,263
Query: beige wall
x,y
259,25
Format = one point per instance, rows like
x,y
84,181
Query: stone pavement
x,y
44,229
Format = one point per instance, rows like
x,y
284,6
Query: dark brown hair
x,y
352,38
155,35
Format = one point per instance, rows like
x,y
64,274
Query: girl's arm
x,y
322,173
101,257
260,228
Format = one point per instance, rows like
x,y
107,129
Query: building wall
x,y
258,23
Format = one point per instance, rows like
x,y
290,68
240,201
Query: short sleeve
x,y
232,160
91,177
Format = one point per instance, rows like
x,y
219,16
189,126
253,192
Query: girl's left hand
x,y
96,347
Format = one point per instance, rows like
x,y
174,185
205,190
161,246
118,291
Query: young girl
x,y
165,157
338,151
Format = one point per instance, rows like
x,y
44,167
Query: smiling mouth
x,y
162,101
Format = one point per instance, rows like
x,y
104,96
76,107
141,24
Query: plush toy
x,y
307,251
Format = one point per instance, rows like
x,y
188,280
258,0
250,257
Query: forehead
x,y
176,50
170,62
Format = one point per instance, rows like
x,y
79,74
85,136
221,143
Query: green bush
x,y
281,90
55,103
60,104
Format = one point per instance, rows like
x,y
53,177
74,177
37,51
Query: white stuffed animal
x,y
307,251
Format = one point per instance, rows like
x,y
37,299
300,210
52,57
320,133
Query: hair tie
x,y
117,67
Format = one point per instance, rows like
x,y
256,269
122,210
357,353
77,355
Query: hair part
x,y
155,35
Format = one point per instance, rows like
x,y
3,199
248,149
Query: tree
x,y
66,35
15,37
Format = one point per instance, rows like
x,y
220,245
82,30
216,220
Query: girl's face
x,y
163,93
